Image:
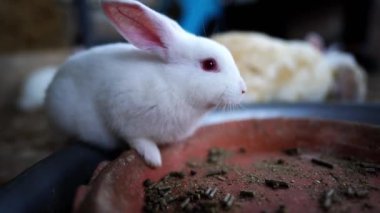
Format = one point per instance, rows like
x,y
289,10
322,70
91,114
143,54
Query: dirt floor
x,y
25,138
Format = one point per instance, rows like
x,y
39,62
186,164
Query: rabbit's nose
x,y
243,87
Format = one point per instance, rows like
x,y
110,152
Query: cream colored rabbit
x,y
279,70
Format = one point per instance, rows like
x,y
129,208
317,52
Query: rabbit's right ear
x,y
142,26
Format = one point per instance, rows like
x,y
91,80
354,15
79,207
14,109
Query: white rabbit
x,y
148,94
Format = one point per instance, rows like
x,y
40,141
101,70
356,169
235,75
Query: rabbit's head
x,y
203,71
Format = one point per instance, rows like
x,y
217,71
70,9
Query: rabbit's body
x,y
122,99
152,91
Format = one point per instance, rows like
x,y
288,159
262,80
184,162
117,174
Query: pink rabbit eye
x,y
209,65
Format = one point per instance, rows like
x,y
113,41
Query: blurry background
x,y
35,34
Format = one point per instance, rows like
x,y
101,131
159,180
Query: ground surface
x,y
24,140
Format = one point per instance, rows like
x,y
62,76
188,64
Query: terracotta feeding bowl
x,y
294,165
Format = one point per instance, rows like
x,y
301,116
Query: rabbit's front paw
x,y
148,150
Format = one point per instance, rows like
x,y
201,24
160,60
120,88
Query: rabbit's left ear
x,y
142,26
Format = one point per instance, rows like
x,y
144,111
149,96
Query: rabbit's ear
x,y
141,26
315,40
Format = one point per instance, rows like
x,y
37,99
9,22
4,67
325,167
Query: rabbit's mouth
x,y
211,106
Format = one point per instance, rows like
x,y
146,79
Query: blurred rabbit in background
x,y
280,70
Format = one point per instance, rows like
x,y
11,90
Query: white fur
x,y
34,88
144,97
